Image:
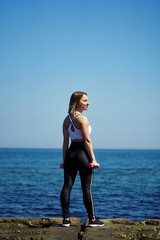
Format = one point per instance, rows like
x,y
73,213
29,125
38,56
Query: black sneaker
x,y
95,223
66,223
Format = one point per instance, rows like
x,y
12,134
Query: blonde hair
x,y
74,100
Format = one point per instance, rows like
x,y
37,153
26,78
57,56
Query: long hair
x,y
74,100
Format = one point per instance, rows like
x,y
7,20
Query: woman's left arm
x,y
65,141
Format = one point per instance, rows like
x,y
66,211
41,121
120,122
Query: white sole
x,y
66,225
95,225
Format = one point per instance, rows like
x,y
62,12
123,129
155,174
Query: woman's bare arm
x,y
65,141
87,140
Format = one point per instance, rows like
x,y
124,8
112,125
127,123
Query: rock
x,y
152,222
38,229
117,229
51,228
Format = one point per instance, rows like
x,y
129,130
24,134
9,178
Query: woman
x,y
78,157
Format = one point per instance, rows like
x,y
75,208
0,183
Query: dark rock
x,y
51,228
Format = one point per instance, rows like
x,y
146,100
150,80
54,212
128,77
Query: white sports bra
x,y
76,133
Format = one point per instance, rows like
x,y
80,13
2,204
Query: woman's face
x,y
83,103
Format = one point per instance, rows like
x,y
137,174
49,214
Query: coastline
x,y
50,228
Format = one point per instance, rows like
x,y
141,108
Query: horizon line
x,y
58,148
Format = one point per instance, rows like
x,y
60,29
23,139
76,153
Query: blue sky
x,y
110,49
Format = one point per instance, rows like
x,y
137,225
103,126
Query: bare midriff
x,y
77,140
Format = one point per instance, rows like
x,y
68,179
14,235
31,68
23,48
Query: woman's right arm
x,y
65,141
87,140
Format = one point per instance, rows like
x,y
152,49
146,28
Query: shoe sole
x,y
66,225
95,225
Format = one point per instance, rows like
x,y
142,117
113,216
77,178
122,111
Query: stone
x,y
51,229
38,229
118,229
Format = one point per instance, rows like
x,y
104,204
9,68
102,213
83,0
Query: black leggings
x,y
77,159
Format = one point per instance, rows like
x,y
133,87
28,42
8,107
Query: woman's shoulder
x,y
66,121
82,119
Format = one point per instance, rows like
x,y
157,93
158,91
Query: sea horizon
x,y
127,184
58,148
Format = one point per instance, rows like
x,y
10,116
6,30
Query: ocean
x,y
127,185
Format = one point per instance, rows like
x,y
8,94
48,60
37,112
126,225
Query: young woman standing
x,y
77,157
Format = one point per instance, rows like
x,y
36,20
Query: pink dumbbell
x,y
62,165
91,165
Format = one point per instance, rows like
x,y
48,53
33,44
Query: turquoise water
x,y
126,185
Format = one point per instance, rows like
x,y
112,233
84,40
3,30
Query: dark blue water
x,y
127,185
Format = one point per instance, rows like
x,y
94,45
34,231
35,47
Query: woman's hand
x,y
95,164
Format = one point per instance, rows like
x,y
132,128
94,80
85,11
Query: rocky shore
x,y
50,228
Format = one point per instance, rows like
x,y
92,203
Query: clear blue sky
x,y
108,48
